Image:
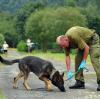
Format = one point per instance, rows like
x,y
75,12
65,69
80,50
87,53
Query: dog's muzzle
x,y
62,89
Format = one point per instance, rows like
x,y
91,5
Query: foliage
x,y
22,46
7,28
45,25
44,20
94,23
13,5
56,48
71,3
22,15
1,40
94,17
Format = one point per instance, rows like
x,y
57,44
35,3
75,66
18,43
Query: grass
x,y
56,56
1,96
49,55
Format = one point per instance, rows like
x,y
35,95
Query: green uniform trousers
x,y
95,58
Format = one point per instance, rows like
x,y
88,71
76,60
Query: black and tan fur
x,y
42,68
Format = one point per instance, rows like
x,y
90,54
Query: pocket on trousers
x,y
95,51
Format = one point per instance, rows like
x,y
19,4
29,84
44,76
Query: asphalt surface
x,y
38,88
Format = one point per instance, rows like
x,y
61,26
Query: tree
x,y
7,28
94,23
94,17
22,16
45,25
71,3
1,40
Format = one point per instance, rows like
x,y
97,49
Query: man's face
x,y
64,42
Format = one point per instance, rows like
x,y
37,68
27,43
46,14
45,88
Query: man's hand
x,y
82,65
70,75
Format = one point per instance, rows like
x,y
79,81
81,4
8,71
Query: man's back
x,y
79,36
78,31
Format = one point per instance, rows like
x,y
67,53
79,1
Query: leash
x,y
87,70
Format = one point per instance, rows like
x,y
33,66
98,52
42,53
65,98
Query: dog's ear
x,y
55,76
62,74
57,73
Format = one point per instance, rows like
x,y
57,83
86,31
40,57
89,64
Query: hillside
x,y
13,5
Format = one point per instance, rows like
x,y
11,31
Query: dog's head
x,y
58,81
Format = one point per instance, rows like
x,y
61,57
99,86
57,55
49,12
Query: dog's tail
x,y
8,62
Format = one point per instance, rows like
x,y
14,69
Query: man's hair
x,y
59,38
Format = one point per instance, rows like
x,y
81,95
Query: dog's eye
x,y
54,82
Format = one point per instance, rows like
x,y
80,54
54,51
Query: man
x,y
29,45
85,40
5,47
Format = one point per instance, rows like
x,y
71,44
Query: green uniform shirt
x,y
79,36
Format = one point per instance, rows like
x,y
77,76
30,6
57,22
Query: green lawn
x,y
1,96
56,56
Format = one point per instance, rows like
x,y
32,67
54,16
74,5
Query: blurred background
x,y
43,20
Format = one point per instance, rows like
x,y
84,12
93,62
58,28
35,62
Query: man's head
x,y
63,41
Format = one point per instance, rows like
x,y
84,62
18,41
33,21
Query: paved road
x,y
38,90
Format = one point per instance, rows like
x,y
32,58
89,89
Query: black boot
x,y
78,85
98,89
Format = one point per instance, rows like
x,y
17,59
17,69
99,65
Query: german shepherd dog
x,y
42,68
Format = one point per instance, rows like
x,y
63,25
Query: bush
x,y
46,24
22,46
73,51
1,40
56,48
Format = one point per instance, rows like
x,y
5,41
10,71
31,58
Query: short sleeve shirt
x,y
79,36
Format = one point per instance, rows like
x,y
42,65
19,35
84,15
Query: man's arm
x,y
70,74
86,51
84,47
67,59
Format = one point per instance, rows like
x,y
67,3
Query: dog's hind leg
x,y
47,83
20,75
26,85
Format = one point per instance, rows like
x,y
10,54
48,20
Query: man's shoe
x,y
78,85
98,89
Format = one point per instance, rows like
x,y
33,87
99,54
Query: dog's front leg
x,y
47,83
27,87
20,75
26,83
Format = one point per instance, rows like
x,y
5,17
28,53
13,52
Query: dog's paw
x,y
27,87
15,87
49,89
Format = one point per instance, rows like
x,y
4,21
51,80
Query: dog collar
x,y
53,72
